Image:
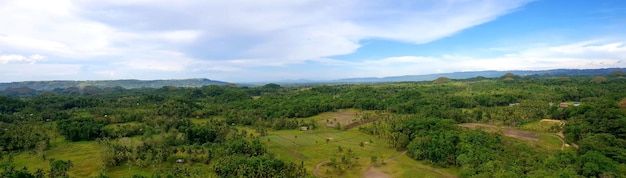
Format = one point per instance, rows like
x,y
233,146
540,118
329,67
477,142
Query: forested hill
x,y
487,74
128,84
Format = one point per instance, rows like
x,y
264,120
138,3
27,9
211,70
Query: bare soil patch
x,y
341,119
372,172
510,132
358,123
553,121
520,134
375,173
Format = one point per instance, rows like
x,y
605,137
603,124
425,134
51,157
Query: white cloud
x,y
587,54
401,60
122,37
278,32
4,59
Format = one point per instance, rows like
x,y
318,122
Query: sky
x,y
275,40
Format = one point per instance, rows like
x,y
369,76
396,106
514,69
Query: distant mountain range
x,y
487,74
198,82
128,84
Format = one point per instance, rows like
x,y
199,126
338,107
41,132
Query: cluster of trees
x,y
81,128
58,168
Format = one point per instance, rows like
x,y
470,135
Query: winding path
x,y
562,138
317,167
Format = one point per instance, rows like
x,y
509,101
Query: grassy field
x,y
533,134
315,146
545,125
404,166
84,156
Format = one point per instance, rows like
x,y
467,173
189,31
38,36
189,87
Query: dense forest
x,y
157,129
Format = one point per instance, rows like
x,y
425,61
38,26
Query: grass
x,y
539,126
409,168
84,155
548,137
545,139
311,147
550,141
307,147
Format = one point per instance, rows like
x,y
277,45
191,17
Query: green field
x,y
84,156
311,148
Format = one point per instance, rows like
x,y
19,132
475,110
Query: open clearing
x,y
316,147
86,157
403,166
534,133
510,132
339,118
86,161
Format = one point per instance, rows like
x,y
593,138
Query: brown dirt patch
x,y
520,134
375,173
553,121
340,118
510,132
372,172
358,123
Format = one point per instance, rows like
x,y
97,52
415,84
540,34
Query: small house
x,y
180,161
304,128
563,105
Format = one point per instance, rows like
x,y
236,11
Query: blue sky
x,y
271,40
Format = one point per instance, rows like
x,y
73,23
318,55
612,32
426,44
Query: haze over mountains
x,y
128,84
198,82
487,74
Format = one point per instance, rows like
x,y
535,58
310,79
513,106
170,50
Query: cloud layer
x,y
251,40
4,59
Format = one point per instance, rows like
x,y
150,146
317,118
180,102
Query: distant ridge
x,y
488,74
128,84
198,82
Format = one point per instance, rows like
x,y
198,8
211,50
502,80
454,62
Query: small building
x,y
563,105
514,104
576,103
304,128
180,161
